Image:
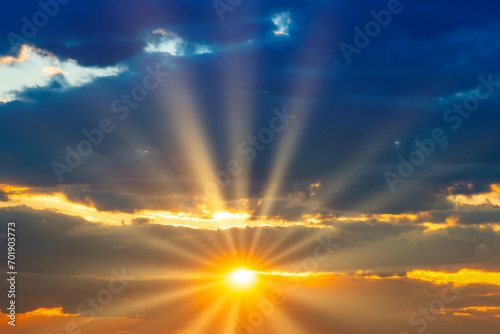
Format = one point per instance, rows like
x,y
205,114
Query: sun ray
x,y
302,90
168,297
200,324
231,320
193,140
296,247
153,240
356,167
280,322
239,105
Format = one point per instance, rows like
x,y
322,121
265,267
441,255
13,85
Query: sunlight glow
x,y
243,276
55,199
241,279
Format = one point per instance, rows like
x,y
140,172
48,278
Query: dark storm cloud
x,y
3,197
53,243
355,112
67,260
481,214
60,241
397,298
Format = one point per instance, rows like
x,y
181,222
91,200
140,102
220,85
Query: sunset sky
x,y
241,167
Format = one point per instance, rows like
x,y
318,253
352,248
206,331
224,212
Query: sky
x,y
239,167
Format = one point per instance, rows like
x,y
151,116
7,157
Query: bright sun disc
x,y
243,276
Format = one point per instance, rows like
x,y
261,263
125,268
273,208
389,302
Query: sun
x,y
242,278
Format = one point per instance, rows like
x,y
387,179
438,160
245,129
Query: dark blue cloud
x,y
354,112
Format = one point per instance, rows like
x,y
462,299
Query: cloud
x,y
34,68
463,277
130,203
387,304
163,260
147,248
283,23
52,70
22,56
386,110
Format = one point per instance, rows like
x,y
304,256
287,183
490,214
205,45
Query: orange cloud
x,y
53,320
52,70
57,201
48,312
462,277
475,311
22,56
492,197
